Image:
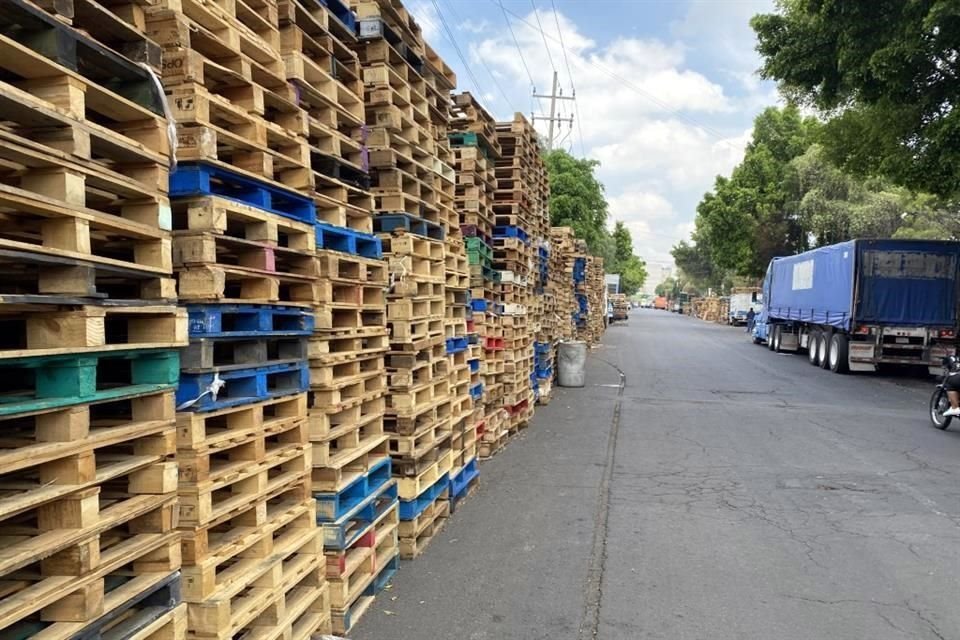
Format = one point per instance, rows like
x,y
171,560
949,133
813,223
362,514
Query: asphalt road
x,y
726,492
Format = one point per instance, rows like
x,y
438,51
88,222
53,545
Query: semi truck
x,y
858,304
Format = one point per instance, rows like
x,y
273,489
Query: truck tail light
x,y
862,330
948,333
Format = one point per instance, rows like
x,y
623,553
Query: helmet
x,y
950,362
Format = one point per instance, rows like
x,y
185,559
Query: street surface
x,y
727,493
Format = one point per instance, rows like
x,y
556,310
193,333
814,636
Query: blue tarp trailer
x,y
872,301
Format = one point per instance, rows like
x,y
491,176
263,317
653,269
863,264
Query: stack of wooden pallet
x,y
407,113
592,290
357,499
562,248
465,393
89,358
517,235
475,147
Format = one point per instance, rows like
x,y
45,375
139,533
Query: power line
x,y
675,112
516,43
543,34
453,41
573,87
563,47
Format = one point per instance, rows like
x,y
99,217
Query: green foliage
x,y
744,221
884,72
697,266
632,270
667,288
577,200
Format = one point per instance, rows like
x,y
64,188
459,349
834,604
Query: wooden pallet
x,y
416,534
349,268
342,446
46,330
225,487
256,591
240,553
366,377
36,384
234,219
244,285
332,348
348,320
326,420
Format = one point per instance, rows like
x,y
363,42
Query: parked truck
x,y
741,301
660,302
855,305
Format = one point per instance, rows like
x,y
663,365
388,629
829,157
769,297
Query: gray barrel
x,y
572,363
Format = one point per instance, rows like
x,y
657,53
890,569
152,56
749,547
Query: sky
x,y
666,91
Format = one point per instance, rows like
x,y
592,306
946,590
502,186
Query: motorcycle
x,y
939,402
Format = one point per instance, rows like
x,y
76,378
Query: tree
x,y
885,72
577,200
666,288
632,270
696,264
745,220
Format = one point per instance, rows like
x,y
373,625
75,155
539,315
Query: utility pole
x,y
554,96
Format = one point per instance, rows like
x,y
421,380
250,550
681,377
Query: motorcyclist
x,y
952,385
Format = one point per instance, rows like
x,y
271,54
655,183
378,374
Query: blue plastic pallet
x,y
456,345
351,526
384,576
541,347
378,584
333,506
247,320
505,231
478,304
243,386
410,509
387,222
201,179
461,481
349,241
476,391
342,13
474,365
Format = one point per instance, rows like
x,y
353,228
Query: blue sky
x,y
666,90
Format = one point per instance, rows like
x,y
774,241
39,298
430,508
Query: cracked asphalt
x,y
741,494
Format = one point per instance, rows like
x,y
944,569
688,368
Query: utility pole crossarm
x,y
553,117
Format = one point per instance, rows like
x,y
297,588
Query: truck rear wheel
x,y
823,350
777,337
813,347
771,331
839,350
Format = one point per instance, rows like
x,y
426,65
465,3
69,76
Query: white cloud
x,y
682,155
426,16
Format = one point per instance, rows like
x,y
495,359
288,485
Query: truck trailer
x,y
858,304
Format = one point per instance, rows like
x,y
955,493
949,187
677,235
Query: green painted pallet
x,y
48,382
474,257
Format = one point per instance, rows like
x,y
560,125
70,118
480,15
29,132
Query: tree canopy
x,y
787,196
883,73
577,200
745,220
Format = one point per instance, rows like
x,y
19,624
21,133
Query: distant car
x,y
676,308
